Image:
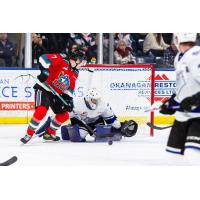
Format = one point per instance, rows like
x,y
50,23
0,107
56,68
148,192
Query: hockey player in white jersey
x,y
184,137
92,115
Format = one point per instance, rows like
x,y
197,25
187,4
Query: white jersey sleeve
x,y
187,73
110,117
103,109
194,67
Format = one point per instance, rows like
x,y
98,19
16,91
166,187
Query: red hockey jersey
x,y
62,77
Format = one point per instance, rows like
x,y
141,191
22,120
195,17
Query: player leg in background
x,y
42,102
192,145
176,143
177,137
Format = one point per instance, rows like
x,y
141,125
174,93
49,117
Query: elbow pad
x,y
42,77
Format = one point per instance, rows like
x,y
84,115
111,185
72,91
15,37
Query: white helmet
x,y
92,98
184,37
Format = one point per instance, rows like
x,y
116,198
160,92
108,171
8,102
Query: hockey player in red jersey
x,y
59,73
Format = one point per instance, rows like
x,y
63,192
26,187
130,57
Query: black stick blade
x,y
9,161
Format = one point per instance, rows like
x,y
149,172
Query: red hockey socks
x,y
38,115
57,122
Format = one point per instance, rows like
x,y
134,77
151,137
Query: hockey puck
x,y
110,142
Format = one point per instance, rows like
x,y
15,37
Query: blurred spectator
x,y
106,48
7,51
154,45
55,42
18,39
198,39
170,54
137,42
123,54
84,40
133,41
123,36
91,53
37,49
167,37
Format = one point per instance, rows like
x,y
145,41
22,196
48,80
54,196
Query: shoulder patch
x,y
195,53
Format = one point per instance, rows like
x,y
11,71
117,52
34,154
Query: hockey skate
x,y
49,137
25,139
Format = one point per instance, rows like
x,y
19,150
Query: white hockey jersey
x,y
187,73
187,67
104,110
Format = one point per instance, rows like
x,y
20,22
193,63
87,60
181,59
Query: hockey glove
x,y
42,77
69,101
166,109
59,106
129,128
190,103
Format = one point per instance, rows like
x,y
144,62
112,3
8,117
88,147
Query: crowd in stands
x,y
153,48
123,53
7,51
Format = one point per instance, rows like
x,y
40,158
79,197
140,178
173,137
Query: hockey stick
x,y
9,161
157,127
158,108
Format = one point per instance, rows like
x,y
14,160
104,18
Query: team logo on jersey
x,y
195,53
62,82
64,78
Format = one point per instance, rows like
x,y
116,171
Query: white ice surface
x,y
138,150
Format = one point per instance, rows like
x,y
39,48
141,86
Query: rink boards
x,y
126,89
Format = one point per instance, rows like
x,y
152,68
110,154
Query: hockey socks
x,y
54,126
39,114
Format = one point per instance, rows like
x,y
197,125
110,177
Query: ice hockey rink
x,y
140,150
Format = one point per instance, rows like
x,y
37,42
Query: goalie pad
x,y
64,133
71,133
105,132
129,128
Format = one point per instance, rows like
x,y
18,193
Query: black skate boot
x,y
25,139
50,137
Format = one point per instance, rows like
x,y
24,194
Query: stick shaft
x,y
157,127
